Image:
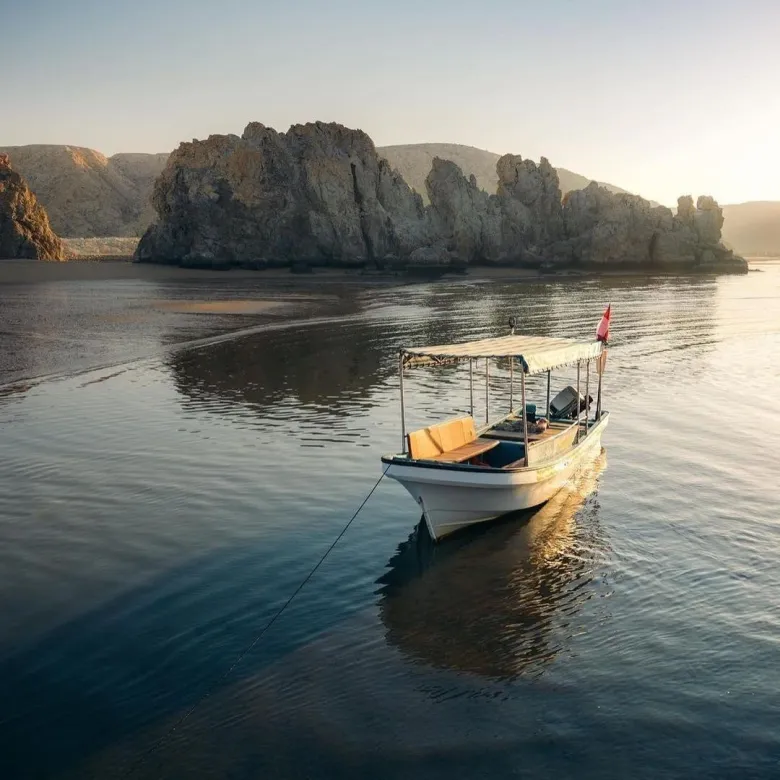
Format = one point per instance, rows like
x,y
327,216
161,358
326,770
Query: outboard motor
x,y
564,405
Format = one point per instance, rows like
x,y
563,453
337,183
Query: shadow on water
x,y
491,602
145,656
497,603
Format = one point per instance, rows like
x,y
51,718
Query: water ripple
x,y
156,512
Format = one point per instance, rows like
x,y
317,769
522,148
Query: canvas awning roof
x,y
535,353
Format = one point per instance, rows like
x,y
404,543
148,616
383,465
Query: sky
x,y
661,98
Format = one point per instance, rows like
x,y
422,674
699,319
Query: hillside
x,y
413,162
87,194
753,228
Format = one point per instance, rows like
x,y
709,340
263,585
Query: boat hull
x,y
452,499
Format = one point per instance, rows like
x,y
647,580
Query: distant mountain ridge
x,y
87,194
753,228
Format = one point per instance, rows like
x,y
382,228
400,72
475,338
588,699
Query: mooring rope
x,y
133,766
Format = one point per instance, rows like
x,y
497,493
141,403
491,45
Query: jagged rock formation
x,y
320,194
87,194
527,223
625,230
708,220
513,226
468,218
531,193
24,226
603,228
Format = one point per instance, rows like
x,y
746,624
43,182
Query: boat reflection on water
x,y
500,600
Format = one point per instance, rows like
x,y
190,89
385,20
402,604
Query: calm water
x,y
156,511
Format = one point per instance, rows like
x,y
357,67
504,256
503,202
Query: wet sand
x,y
30,271
219,307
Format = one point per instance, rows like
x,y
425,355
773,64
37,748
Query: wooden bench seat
x,y
466,451
454,441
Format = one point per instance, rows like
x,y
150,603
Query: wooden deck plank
x,y
553,430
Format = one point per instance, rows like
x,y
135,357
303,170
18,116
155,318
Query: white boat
x,y
461,476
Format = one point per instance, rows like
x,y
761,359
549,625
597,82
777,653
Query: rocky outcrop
x,y
317,194
530,201
514,226
686,210
468,219
24,226
708,220
320,194
535,187
604,228
87,194
607,229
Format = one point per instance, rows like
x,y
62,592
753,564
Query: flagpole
x,y
602,335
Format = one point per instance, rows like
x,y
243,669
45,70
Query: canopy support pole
x,y
403,410
598,394
511,384
487,390
525,417
471,385
578,400
587,394
548,396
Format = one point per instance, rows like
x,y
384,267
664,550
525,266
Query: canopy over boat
x,y
535,353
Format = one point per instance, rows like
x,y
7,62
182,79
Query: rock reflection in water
x,y
334,366
495,601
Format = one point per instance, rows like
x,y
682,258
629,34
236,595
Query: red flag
x,y
602,332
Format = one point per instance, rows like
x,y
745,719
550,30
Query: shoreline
x,y
113,268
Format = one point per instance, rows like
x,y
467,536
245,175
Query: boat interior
x,y
499,446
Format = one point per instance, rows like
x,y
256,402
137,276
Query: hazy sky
x,y
659,97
